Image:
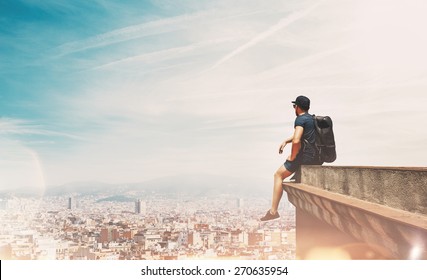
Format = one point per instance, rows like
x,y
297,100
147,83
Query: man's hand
x,y
282,146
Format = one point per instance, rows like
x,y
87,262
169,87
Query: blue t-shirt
x,y
307,123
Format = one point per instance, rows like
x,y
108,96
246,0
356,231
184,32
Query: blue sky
x,y
127,91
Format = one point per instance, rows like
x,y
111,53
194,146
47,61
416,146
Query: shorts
x,y
304,159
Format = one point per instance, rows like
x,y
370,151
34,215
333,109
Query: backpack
x,y
325,141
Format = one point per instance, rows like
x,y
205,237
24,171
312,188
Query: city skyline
x,y
157,228
132,91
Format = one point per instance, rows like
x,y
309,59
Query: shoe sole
x,y
271,219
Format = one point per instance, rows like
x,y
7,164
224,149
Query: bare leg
x,y
279,176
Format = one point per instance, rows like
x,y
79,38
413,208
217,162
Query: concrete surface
x,y
372,212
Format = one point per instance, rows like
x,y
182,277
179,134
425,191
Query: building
x,y
70,203
140,207
201,227
255,238
5,251
152,241
109,234
46,248
128,234
239,238
276,238
240,203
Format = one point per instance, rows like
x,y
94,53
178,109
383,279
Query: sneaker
x,y
268,216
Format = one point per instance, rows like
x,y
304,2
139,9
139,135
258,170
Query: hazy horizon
x,y
130,91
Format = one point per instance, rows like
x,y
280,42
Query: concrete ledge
x,y
395,187
394,234
381,208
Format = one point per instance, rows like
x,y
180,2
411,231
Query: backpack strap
x,y
317,148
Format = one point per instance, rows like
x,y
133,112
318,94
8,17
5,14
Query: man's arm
x,y
296,142
284,143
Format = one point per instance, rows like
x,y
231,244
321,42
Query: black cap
x,y
302,102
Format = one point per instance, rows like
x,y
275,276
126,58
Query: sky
x,y
129,91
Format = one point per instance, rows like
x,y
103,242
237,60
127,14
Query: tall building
x,y
240,203
70,203
140,207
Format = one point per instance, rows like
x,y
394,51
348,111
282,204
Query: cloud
x,y
129,33
284,22
166,54
153,27
17,127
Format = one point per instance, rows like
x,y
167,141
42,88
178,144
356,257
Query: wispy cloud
x,y
159,26
11,127
301,62
286,21
129,33
171,53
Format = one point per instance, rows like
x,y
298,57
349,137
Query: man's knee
x,y
281,173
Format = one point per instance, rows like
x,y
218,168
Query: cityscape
x,y
153,226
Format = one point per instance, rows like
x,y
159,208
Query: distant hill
x,y
85,188
194,185
117,198
204,185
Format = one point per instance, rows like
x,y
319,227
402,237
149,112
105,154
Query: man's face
x,y
296,109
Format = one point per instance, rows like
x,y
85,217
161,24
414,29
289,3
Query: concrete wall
x,y
373,213
399,188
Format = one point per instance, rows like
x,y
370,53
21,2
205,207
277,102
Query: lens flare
x,y
415,253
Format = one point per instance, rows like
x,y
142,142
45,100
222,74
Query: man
x,y
303,152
